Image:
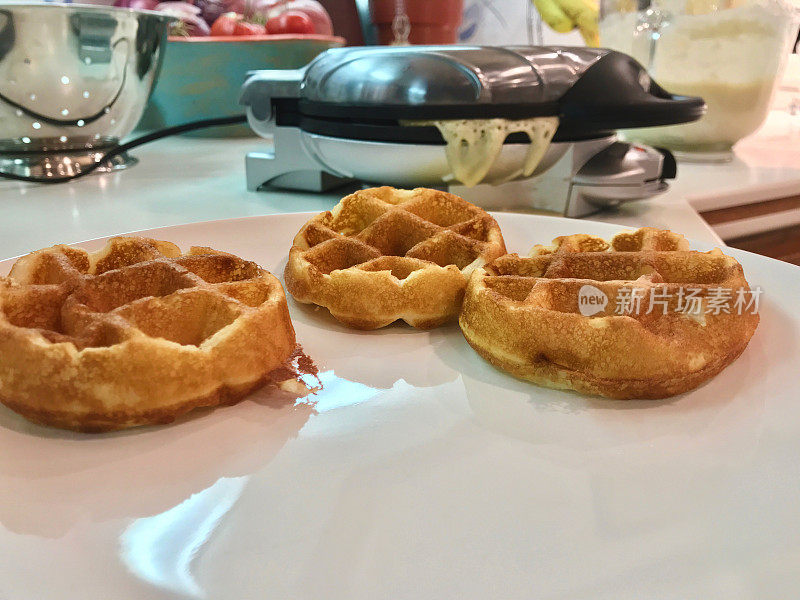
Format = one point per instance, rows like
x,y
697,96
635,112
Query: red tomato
x,y
245,28
315,11
318,15
225,24
290,21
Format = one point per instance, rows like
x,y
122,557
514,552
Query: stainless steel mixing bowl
x,y
74,80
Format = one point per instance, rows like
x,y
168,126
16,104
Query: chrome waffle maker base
x,y
339,119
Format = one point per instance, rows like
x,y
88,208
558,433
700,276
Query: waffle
x,y
385,254
136,333
532,316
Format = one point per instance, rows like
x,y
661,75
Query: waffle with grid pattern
x,y
136,333
657,325
384,254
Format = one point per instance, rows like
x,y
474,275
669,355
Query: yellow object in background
x,y
565,15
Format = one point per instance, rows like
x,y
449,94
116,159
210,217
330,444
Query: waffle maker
x,y
339,119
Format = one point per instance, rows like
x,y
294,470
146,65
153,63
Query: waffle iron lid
x,y
445,77
591,90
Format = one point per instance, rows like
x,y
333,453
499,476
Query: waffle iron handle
x,y
617,92
261,87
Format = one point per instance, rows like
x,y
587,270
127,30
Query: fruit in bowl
x,y
205,65
283,23
224,18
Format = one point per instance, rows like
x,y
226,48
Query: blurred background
x,y
75,84
730,52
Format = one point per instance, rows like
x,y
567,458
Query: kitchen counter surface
x,y
765,166
181,180
757,192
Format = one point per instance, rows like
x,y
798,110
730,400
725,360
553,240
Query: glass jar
x,y
729,52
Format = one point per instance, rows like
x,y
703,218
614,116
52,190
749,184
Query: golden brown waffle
x,y
530,316
136,333
385,254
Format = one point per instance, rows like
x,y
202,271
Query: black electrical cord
x,y
116,151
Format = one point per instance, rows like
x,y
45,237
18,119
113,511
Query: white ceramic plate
x,y
422,472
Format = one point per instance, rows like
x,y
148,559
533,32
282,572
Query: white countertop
x,y
766,166
182,179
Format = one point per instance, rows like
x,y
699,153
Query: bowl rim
x,y
278,37
39,5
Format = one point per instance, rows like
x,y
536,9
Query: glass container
x,y
729,52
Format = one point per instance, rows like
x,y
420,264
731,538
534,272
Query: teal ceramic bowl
x,y
201,76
